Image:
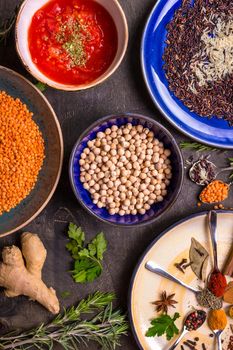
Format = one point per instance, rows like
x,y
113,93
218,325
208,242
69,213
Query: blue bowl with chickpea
x,y
126,169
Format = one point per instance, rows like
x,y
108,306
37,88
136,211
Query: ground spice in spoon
x,y
207,299
217,283
217,320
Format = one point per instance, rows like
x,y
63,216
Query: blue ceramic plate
x,y
215,132
158,208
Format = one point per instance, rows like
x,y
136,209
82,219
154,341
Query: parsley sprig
x,y
164,324
88,259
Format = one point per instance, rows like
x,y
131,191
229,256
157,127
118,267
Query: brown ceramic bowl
x,y
17,86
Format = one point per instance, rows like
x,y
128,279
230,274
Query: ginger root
x,y
18,279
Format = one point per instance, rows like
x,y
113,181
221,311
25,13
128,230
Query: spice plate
x,y
214,131
168,248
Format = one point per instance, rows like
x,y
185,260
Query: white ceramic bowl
x,y
27,11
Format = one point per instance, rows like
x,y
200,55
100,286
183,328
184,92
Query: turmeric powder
x,y
217,319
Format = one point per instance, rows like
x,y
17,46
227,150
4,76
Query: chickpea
x,y
142,176
87,177
100,135
90,144
86,186
146,206
126,169
142,211
122,188
128,166
114,128
101,175
93,166
82,178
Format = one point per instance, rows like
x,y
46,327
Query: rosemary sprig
x,y
196,146
104,326
7,25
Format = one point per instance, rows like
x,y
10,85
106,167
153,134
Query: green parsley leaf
x,y
76,234
98,246
41,86
164,324
86,270
87,265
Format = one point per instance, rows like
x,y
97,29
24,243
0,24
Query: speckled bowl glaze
x,y
17,86
158,208
27,11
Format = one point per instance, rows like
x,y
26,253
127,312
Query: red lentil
x,y
216,191
21,152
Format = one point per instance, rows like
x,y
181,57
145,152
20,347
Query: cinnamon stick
x,y
228,268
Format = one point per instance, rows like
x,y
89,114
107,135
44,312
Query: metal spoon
x,y
218,335
184,331
228,184
153,267
212,223
215,171
187,329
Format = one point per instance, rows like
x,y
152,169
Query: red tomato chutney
x,y
72,41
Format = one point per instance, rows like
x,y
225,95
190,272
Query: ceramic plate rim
x,y
150,246
61,152
154,99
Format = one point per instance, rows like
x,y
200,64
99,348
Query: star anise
x,y
165,302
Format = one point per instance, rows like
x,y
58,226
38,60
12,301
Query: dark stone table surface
x,y
125,91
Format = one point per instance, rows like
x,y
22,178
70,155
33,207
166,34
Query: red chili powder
x,y
217,284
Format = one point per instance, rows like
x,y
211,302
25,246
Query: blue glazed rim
x,y
100,122
224,143
163,233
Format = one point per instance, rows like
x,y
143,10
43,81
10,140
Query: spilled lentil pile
x,y
198,58
21,152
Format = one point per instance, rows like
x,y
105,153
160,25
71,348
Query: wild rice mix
x,y
199,57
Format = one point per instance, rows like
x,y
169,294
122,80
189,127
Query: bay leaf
x,y
199,257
